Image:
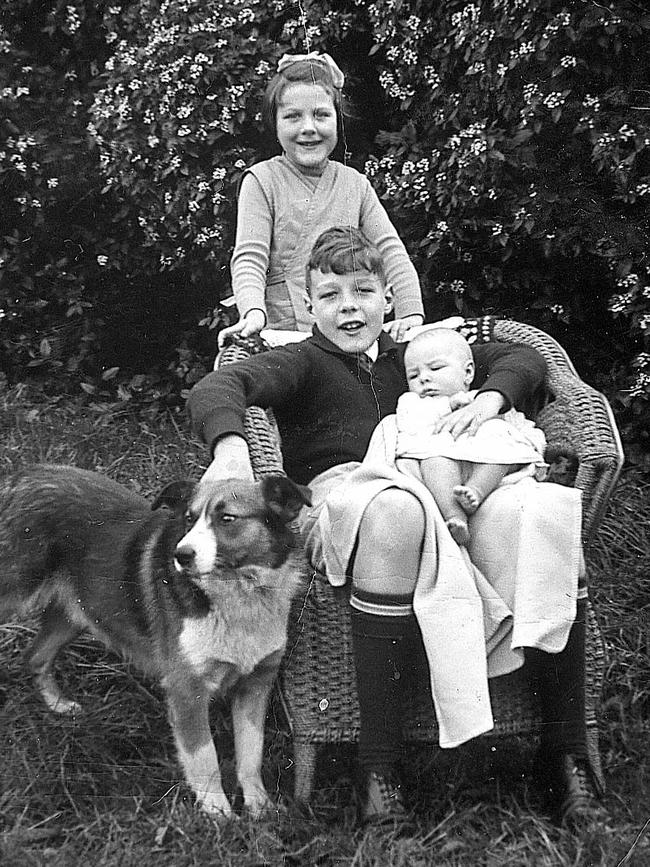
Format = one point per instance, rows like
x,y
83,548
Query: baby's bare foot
x,y
459,531
467,498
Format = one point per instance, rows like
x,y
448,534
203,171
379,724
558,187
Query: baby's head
x,y
438,362
346,288
315,70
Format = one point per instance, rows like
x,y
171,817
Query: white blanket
x,y
519,588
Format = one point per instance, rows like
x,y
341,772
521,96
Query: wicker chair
x,y
318,688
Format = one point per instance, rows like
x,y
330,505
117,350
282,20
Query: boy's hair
x,y
343,250
302,72
453,339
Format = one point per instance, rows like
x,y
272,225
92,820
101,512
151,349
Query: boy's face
x,y
434,368
349,309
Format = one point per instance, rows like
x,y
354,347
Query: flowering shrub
x,y
518,166
47,60
179,116
513,156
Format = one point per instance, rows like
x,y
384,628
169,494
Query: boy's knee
x,y
396,513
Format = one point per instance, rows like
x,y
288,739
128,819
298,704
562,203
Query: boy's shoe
x,y
570,789
384,802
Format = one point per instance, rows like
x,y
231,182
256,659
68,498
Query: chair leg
x,y
304,756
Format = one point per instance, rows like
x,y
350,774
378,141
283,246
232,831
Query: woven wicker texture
x,y
318,687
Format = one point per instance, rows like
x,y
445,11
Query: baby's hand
x,y
461,398
398,328
252,323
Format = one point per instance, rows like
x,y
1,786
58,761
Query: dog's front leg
x,y
188,705
249,706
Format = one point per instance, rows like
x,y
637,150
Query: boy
x,y
328,393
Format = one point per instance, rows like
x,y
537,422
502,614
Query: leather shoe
x,y
384,801
571,790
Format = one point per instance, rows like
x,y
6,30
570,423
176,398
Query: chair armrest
x,y
578,415
261,431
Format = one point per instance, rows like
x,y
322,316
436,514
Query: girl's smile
x,y
306,126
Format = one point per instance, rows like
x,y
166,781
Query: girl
x,y
287,201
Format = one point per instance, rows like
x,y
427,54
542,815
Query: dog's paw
x,y
217,806
258,804
62,706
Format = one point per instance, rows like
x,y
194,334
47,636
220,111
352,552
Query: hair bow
x,y
338,78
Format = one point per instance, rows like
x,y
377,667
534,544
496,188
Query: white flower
x,y
240,164
52,183
554,99
102,260
568,60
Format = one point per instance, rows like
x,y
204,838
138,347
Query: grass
x,y
103,788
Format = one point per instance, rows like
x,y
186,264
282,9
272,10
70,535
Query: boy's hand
x,y
398,328
468,419
461,398
252,323
230,461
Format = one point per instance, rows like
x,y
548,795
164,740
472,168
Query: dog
x,y
195,595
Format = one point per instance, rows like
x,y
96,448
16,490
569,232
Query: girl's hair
x,y
303,72
343,250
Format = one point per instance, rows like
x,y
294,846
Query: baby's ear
x,y
470,370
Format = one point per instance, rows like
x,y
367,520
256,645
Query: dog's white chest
x,y
211,641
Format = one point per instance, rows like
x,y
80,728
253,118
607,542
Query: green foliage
x,y
179,116
518,167
48,181
512,152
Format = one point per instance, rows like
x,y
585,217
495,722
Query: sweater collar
x,y
386,344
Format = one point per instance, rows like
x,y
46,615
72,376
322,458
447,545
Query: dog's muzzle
x,y
184,557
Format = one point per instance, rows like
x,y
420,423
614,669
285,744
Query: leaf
x,y
88,387
110,373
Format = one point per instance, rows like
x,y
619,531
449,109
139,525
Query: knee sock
x,y
559,679
381,629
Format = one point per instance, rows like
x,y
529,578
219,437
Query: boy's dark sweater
x,y
327,407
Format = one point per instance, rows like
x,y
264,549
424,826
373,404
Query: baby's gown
x,y
509,439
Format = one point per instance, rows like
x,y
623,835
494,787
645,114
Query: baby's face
x,y
433,368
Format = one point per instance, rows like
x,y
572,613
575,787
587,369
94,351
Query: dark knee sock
x,y
560,680
381,655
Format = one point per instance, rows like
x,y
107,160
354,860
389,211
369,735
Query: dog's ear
x,y
284,497
175,495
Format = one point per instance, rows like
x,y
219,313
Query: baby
x,y
459,472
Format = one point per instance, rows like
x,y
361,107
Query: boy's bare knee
x,y
396,514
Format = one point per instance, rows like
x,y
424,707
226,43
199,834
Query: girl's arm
x,y
402,276
250,258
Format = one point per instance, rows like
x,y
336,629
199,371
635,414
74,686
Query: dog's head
x,y
234,522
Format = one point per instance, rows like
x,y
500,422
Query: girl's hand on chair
x,y
398,328
252,323
468,419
